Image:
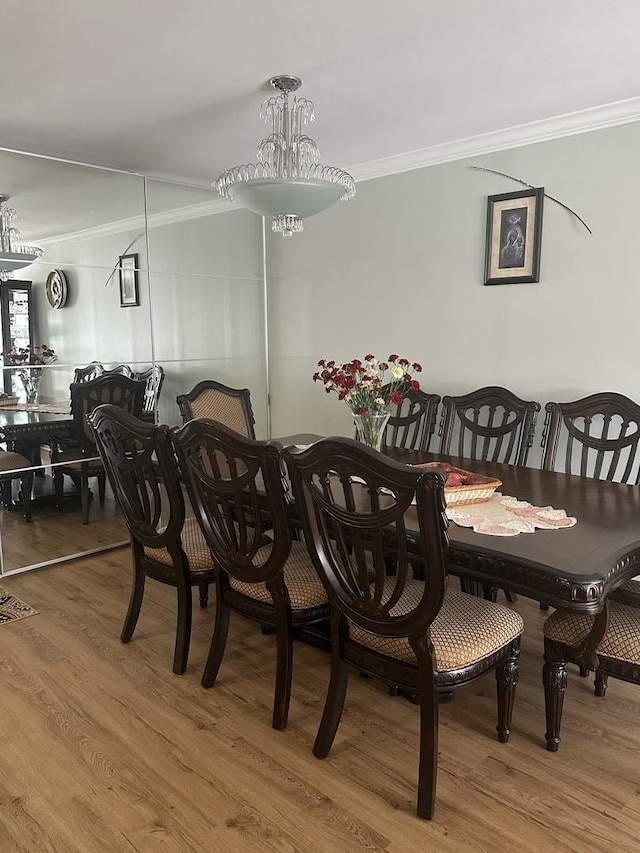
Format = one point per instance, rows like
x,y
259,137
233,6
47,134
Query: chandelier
x,y
13,254
288,183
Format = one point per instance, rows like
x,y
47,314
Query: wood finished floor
x,y
104,749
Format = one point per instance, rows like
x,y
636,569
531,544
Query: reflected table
x,y
25,429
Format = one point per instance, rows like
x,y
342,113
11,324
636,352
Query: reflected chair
x,y
355,504
413,422
141,468
218,402
88,373
237,491
597,436
120,370
154,378
79,461
490,425
15,466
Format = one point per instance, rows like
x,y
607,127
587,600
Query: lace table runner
x,y
506,516
48,408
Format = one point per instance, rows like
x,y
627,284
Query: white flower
x,y
397,372
379,401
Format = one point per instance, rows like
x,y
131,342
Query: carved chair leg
x,y
203,589
58,485
334,703
601,682
102,487
218,642
5,488
284,666
584,671
26,485
507,674
84,497
428,756
135,603
183,630
554,679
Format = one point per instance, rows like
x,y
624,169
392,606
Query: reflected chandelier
x,y
13,254
288,183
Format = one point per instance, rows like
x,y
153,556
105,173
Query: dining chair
x,y
230,406
238,494
154,378
596,436
141,467
15,466
77,459
489,424
413,422
419,634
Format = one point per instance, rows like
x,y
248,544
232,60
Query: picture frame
x,y
129,292
514,237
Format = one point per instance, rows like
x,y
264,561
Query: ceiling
x,y
174,89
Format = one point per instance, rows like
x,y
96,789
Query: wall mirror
x,y
198,312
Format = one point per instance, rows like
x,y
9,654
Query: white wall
x,y
401,268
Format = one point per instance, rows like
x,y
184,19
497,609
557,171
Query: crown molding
x,y
570,124
167,217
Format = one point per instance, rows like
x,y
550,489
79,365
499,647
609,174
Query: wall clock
x,y
56,289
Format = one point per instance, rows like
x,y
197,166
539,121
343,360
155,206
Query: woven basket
x,y
9,401
461,495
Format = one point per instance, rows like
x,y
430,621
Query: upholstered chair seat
x,y
466,630
621,640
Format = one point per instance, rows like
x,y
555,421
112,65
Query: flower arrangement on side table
x,y
26,358
360,384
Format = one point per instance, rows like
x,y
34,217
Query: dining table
x,y
574,568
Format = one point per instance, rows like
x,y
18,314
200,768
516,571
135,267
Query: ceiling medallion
x,y
287,183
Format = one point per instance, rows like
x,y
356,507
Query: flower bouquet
x,y
26,358
370,388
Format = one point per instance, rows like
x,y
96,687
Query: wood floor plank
x,y
105,749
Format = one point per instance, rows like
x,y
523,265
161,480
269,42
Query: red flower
x,y
415,385
392,358
417,367
369,357
396,399
360,410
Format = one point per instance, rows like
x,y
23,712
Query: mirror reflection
x,y
141,279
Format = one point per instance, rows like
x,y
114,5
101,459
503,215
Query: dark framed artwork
x,y
129,294
514,237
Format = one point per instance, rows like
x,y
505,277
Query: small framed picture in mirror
x,y
129,294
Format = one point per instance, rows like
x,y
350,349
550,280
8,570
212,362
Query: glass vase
x,y
31,383
370,427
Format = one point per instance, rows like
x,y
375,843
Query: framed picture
x,y
129,281
514,237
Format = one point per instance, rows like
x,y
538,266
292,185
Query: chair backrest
x,y
413,422
154,378
490,424
116,389
120,370
142,470
237,491
596,436
86,374
218,402
355,504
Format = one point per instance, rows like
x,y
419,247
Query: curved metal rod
x,y
113,271
524,183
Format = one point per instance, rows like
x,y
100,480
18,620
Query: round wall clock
x,y
56,289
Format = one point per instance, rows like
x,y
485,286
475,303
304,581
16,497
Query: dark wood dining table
x,y
574,568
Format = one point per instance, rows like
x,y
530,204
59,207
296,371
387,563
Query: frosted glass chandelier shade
x,y
14,255
287,183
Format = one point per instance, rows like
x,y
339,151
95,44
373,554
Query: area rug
x,y
12,609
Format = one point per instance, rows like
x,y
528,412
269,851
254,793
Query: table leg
x,y
554,679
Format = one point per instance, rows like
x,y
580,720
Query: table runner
x,y
502,515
